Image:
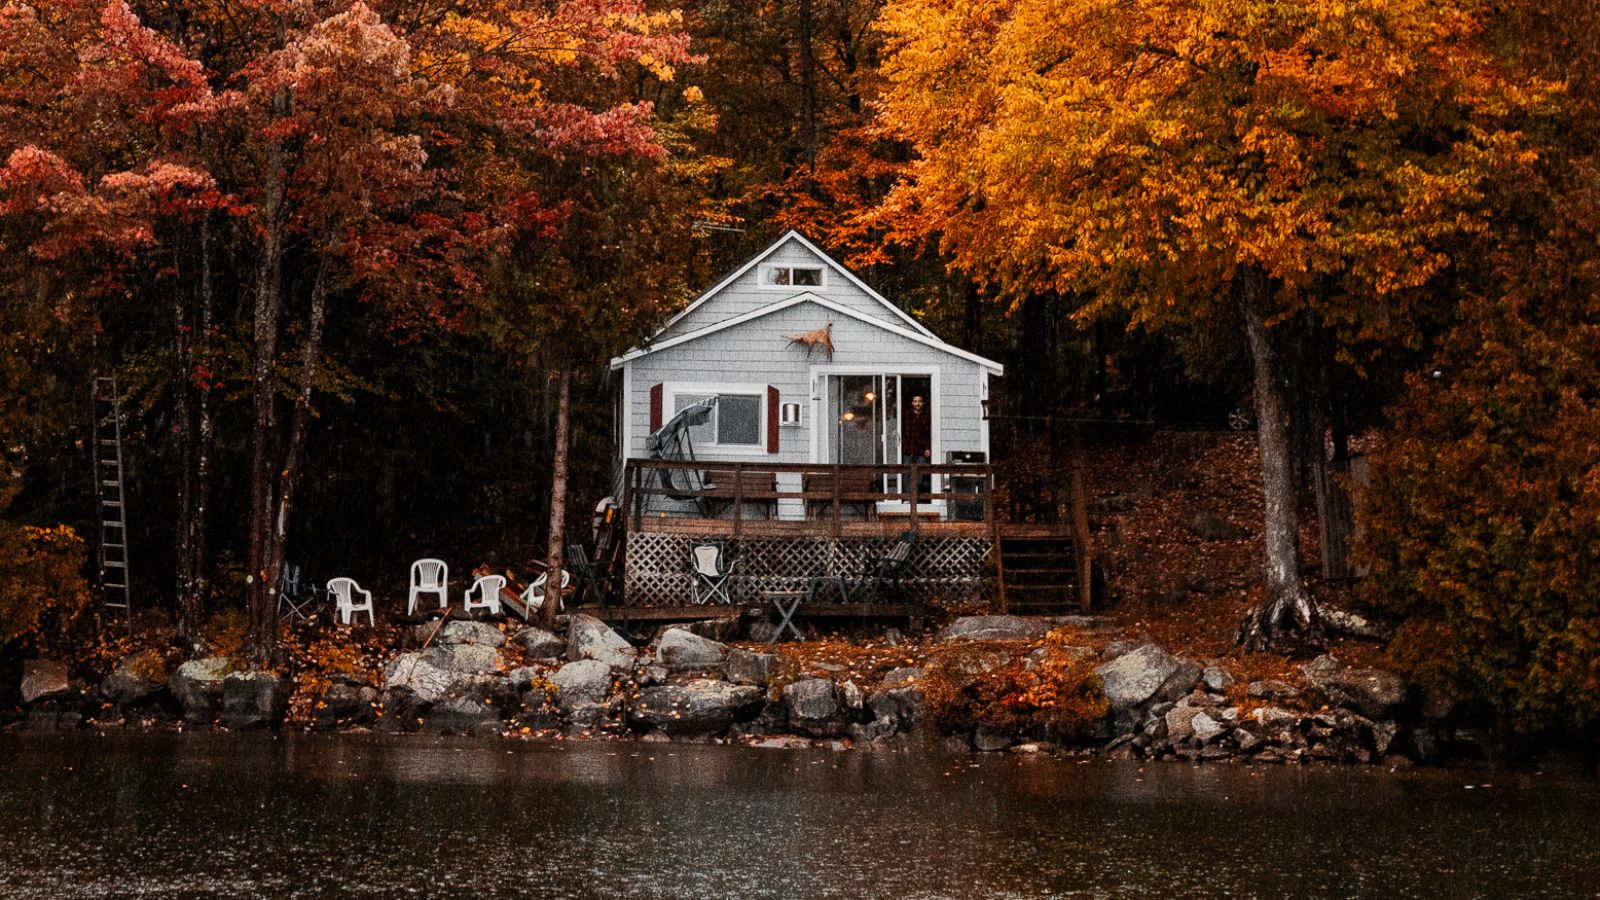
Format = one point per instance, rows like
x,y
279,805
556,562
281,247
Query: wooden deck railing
x,y
732,491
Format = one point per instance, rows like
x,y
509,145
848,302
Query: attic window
x,y
791,276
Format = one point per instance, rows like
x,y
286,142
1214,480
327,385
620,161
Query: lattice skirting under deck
x,y
942,570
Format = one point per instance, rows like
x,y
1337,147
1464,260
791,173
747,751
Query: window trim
x,y
669,405
822,277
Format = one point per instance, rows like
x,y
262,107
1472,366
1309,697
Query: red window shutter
x,y
655,409
772,419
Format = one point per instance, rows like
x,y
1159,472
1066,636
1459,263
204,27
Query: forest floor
x,y
1166,583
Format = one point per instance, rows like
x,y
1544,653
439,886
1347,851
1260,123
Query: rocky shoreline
x,y
1120,698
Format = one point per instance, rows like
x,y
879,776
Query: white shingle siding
x,y
757,352
745,293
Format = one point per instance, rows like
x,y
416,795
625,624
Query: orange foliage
x,y
1049,687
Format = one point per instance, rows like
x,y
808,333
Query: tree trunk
x,y
299,422
261,582
1288,614
558,504
183,435
194,434
206,434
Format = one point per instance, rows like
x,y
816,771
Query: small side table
x,y
787,603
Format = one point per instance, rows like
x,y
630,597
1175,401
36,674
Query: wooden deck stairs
x,y
1040,574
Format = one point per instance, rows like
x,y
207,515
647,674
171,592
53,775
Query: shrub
x,y
1051,689
41,589
1483,522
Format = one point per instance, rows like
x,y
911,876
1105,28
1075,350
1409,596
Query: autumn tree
x,y
315,155
1213,162
1483,510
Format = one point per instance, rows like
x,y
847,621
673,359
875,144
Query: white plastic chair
x,y
533,596
488,590
428,576
344,591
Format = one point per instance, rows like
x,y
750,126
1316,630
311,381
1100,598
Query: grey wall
x,y
756,353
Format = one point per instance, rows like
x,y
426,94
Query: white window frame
x,y
766,268
672,390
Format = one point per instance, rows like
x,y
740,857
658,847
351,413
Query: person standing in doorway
x,y
916,434
916,438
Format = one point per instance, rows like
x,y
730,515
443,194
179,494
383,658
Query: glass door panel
x,y
855,420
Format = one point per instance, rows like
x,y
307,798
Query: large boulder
x,y
589,638
536,643
995,628
901,705
681,650
252,700
702,706
580,683
346,704
197,686
418,674
812,707
1134,677
469,632
464,659
464,714
748,667
136,679
44,679
1375,693
1182,680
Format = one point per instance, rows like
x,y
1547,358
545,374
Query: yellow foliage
x,y
1148,151
41,590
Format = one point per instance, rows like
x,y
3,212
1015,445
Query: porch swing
x,y
672,441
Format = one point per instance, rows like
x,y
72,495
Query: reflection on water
x,y
301,816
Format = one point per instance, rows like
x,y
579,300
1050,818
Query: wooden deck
x,y
790,524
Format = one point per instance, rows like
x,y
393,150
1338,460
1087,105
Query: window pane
x,y
739,419
699,434
778,275
808,277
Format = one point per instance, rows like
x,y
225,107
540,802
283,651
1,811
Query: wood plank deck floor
x,y
748,610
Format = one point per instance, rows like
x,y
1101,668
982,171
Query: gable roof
x,y
923,337
793,235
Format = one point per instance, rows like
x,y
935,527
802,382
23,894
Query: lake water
x,y
163,815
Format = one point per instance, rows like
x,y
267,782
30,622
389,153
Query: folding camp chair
x,y
295,596
343,591
587,588
710,569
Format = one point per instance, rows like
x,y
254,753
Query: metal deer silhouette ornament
x,y
817,337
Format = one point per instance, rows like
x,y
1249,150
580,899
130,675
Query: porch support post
x,y
916,485
738,499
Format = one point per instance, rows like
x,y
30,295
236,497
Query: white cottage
x,y
889,392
